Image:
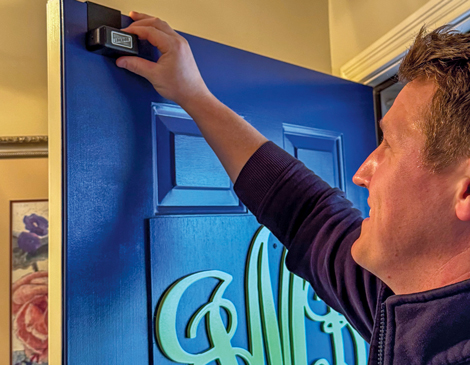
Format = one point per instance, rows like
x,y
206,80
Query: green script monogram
x,y
274,338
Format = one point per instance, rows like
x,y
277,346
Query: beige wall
x,y
294,31
23,84
356,24
22,179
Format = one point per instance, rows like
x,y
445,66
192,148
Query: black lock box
x,y
111,42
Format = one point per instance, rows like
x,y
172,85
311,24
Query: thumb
x,y
137,65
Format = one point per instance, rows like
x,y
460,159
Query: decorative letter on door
x,y
276,336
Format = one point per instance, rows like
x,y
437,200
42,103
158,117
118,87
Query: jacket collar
x,y
431,327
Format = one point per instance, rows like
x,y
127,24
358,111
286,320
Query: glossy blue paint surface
x,y
110,176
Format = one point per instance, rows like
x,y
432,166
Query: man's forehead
x,y
402,129
397,126
406,113
413,100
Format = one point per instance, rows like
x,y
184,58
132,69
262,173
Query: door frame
x,y
56,218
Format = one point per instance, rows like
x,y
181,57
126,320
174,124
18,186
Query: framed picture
x,y
23,147
29,237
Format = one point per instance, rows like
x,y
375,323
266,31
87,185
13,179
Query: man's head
x,y
418,233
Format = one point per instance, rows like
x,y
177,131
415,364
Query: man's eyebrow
x,y
381,124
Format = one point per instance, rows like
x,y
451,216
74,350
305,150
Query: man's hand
x,y
175,76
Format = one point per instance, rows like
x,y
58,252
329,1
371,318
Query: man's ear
x,y
462,208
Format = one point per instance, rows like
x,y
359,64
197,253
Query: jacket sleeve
x,y
318,226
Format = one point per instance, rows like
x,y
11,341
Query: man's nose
x,y
364,174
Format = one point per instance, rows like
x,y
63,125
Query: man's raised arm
x,y
176,77
311,219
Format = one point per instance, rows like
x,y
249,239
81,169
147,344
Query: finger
x,y
156,23
138,16
156,37
137,65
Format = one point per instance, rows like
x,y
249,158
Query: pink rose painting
x,y
29,289
29,308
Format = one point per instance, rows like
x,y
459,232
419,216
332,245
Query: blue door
x,y
162,262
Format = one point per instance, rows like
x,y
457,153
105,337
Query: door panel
x,y
136,198
234,301
320,150
188,176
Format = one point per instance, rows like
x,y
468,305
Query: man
x,y
400,276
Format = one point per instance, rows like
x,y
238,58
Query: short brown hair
x,y
443,56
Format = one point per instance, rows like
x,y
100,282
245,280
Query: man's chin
x,y
356,251
360,253
366,257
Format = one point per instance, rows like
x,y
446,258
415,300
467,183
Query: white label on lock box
x,y
121,40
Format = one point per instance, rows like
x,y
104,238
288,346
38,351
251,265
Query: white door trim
x,y
380,60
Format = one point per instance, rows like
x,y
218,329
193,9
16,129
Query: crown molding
x,y
381,59
23,146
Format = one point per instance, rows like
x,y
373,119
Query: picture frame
x,y
29,250
23,146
